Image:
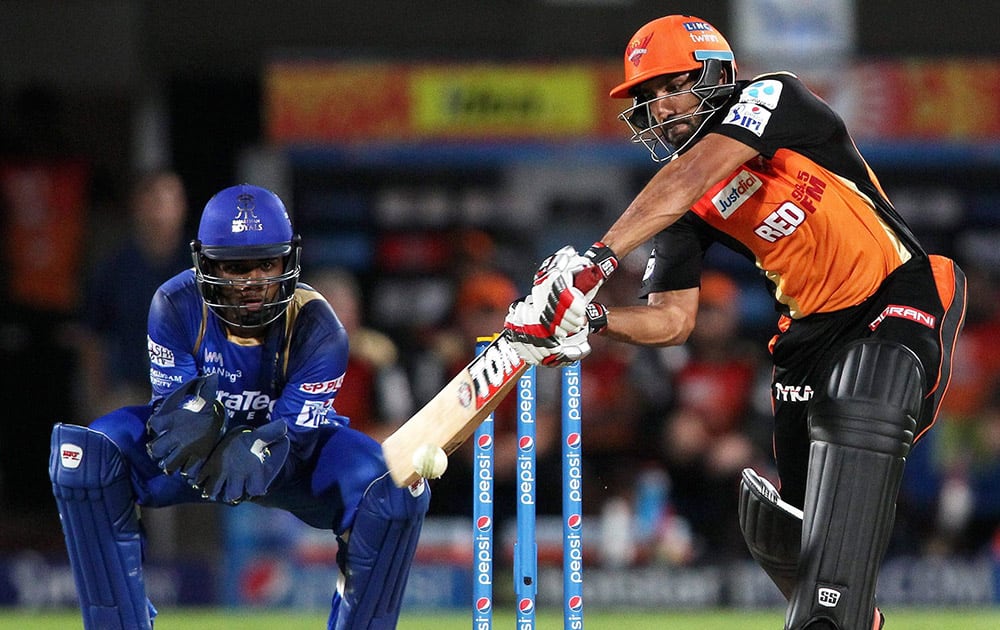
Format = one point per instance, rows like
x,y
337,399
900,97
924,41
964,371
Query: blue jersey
x,y
293,374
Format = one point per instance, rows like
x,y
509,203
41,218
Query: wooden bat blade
x,y
448,419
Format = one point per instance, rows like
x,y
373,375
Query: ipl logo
x,y
246,219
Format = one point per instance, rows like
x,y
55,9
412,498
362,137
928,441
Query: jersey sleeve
x,y
174,316
317,367
678,254
676,258
776,111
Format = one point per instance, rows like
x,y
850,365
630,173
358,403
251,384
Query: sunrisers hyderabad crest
x,y
637,48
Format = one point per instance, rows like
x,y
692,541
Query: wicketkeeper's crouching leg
x,y
100,521
376,555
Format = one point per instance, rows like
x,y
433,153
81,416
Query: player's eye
x,y
236,267
678,84
268,265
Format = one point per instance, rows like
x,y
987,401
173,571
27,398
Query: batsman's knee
x,y
772,530
871,400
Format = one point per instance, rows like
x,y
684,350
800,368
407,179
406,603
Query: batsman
x,y
245,364
868,318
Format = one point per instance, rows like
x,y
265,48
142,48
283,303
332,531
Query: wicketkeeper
x,y
869,318
246,363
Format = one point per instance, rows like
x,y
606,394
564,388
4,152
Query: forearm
x,y
663,200
642,325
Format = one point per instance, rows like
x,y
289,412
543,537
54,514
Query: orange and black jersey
x,y
808,211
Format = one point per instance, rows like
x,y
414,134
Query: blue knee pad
x,y
100,521
380,549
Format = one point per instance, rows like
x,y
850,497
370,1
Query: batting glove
x,y
187,426
564,285
549,351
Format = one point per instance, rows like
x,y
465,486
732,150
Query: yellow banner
x,y
505,101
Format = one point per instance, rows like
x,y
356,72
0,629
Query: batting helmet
x,y
672,45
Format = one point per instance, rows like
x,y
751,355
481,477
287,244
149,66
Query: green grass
x,y
245,619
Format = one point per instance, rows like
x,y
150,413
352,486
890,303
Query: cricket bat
x,y
451,417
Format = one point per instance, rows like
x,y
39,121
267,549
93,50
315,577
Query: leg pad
x,y
380,549
861,428
772,530
90,482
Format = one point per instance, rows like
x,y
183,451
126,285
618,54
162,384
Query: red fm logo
x,y
780,223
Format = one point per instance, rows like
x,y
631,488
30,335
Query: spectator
x,y
111,340
711,435
377,396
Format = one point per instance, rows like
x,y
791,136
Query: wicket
x,y
525,546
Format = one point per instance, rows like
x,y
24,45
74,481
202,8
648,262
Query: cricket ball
x,y
430,461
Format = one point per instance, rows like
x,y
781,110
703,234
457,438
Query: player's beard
x,y
676,134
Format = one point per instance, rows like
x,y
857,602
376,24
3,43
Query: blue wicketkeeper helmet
x,y
246,223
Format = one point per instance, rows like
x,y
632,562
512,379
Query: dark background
x,y
77,78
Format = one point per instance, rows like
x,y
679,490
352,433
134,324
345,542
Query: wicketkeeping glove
x,y
244,464
187,426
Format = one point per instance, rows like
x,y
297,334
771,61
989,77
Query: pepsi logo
x,y
483,605
484,523
574,440
526,605
575,603
484,441
526,443
574,521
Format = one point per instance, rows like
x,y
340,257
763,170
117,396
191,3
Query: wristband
x,y
597,317
603,257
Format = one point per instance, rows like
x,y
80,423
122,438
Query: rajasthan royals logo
x,y
246,219
637,48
